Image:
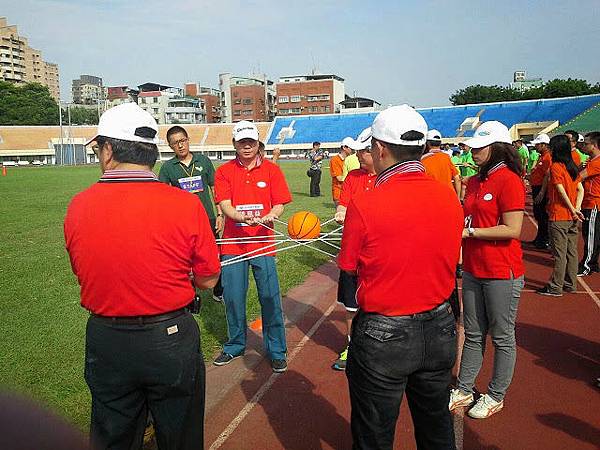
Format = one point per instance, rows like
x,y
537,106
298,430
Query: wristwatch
x,y
471,231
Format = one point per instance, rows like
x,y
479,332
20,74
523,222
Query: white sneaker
x,y
485,407
458,398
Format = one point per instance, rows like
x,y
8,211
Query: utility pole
x,y
62,161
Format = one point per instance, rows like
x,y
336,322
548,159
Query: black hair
x,y
176,129
574,134
131,152
561,153
594,137
502,152
434,143
316,143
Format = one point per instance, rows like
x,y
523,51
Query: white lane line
x,y
267,385
591,293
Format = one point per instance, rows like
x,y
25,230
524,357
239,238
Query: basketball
x,y
304,225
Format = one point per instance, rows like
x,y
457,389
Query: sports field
x,y
42,325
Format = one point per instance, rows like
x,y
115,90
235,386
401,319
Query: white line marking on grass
x,y
579,279
267,385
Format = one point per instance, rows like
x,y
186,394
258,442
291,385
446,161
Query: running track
x,y
552,403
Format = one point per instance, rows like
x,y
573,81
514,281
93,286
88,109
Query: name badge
x,y
253,210
191,184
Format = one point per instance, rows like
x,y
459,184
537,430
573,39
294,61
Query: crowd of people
x,y
140,248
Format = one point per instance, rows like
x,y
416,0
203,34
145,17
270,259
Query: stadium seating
x,y
584,123
333,128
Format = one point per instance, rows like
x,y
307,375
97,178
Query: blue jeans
x,y
391,355
235,289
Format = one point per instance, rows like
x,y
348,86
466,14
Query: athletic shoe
x,y
458,398
485,407
218,298
546,291
224,359
583,273
279,365
340,363
569,289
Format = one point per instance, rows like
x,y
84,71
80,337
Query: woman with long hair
x,y
565,194
493,267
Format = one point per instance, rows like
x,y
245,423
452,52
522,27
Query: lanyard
x,y
186,172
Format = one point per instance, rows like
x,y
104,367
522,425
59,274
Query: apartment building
x,y
155,98
309,94
246,98
211,98
88,90
19,63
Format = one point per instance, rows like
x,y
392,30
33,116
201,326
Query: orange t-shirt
x,y
576,157
538,173
556,208
591,185
439,166
336,167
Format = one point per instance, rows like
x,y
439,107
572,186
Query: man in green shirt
x,y
194,173
533,159
523,153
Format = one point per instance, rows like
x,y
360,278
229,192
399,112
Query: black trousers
x,y
392,355
315,182
591,240
133,368
541,216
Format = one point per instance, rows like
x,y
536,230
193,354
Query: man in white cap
x,y
336,168
438,164
404,333
133,242
538,182
251,191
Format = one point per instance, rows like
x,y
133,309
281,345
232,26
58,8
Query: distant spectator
x,y
538,181
573,137
591,203
438,164
315,156
523,153
565,195
336,169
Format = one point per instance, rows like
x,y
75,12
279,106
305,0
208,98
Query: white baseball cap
x,y
347,142
245,130
128,122
393,123
580,138
363,140
541,138
489,132
434,135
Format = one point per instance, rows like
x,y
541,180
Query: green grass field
x,y
42,325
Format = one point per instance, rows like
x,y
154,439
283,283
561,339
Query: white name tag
x,y
172,330
251,210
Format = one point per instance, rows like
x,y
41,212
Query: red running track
x,y
552,403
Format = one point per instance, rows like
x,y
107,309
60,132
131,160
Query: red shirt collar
x,y
259,161
399,169
128,175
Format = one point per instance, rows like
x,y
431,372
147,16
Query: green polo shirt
x,y
465,171
173,170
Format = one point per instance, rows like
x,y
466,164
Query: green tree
x,y
28,104
81,116
483,94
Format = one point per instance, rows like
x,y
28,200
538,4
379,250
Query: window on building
x,y
237,102
155,100
155,110
313,109
295,110
237,112
283,111
247,112
295,98
326,108
247,101
284,99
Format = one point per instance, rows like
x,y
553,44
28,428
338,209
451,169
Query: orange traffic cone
x,y
256,325
3,171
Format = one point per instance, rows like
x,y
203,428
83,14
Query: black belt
x,y
141,320
424,315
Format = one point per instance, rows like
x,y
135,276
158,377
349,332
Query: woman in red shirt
x,y
565,194
493,267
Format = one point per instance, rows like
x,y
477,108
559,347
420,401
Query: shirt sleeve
x,y
280,193
352,239
556,175
163,174
205,258
512,196
222,186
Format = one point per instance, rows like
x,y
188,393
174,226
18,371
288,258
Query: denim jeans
x,y
235,290
489,307
391,355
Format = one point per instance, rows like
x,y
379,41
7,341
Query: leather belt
x,y
140,320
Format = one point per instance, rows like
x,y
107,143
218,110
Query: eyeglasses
x,y
178,143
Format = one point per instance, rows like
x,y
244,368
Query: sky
x,y
416,52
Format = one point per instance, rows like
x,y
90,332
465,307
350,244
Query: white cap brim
x,y
484,141
246,134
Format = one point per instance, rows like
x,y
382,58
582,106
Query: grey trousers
x,y
489,307
563,242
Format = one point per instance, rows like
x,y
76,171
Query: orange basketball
x,y
304,225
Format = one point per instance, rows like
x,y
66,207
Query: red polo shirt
x,y
591,185
356,181
403,239
133,241
485,202
253,192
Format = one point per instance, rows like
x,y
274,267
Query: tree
x,y
82,116
28,104
552,89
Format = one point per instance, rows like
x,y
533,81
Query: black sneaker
x,y
218,298
546,291
279,365
583,273
570,289
224,359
